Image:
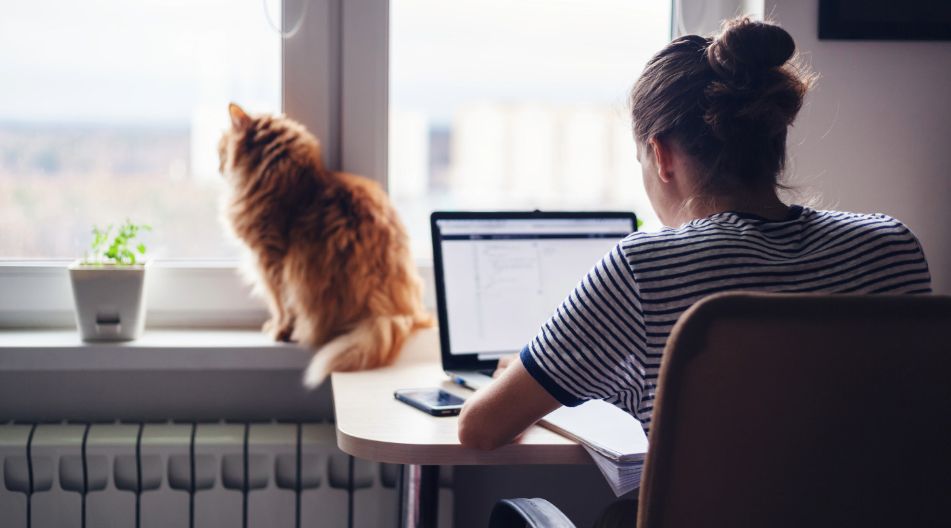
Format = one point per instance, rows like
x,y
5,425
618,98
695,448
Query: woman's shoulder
x,y
698,232
725,227
859,221
701,228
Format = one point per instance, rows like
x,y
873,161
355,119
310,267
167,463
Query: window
x,y
516,104
113,109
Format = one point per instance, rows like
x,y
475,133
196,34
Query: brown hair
x,y
727,100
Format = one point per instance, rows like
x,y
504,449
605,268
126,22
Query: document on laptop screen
x,y
505,278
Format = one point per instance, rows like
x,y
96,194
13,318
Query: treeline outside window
x,y
113,109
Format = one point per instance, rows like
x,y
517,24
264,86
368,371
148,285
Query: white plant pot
x,y
110,301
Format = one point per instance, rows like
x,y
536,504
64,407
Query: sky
x,y
140,61
155,61
549,51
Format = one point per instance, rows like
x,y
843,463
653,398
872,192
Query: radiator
x,y
188,475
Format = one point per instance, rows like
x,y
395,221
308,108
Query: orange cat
x,y
331,254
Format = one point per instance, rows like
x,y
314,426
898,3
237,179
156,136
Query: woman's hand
x,y
504,362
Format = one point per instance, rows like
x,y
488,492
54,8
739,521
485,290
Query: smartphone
x,y
434,401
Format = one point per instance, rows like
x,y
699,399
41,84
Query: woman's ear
x,y
662,158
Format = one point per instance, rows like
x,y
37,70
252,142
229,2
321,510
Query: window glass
x,y
112,109
516,104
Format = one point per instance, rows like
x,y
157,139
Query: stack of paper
x,y
614,439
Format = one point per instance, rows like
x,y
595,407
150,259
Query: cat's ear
x,y
239,118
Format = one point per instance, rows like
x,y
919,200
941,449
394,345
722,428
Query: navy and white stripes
x,y
606,339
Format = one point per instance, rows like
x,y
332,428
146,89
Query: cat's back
x,y
361,185
366,196
349,208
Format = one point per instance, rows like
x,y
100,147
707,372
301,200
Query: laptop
x,y
501,275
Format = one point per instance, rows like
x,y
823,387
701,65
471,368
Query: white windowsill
x,y
179,295
38,350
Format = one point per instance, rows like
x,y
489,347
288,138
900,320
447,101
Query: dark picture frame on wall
x,y
884,20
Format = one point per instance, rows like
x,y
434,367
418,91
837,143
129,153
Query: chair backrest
x,y
803,410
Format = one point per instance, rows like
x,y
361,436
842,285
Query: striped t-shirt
x,y
606,339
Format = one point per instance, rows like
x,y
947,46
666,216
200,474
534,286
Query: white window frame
x,y
335,81
335,73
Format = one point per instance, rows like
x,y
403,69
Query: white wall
x,y
875,134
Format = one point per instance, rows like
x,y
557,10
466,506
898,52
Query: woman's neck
x,y
766,205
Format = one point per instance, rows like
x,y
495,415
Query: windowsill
x,y
206,295
159,349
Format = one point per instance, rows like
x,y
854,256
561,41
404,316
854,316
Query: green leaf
x,y
117,248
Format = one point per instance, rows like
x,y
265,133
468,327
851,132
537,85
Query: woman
x,y
710,119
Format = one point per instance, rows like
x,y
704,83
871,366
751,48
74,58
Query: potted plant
x,y
108,285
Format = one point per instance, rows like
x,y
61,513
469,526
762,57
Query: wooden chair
x,y
803,410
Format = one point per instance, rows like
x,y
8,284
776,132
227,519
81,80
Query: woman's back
x,y
811,251
614,326
710,117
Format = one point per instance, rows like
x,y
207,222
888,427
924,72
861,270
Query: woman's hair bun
x,y
746,48
728,101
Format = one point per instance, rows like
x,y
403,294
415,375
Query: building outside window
x,y
502,104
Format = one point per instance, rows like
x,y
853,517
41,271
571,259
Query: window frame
x,y
335,80
340,48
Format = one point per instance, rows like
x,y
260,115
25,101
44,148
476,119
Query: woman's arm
x,y
592,347
503,409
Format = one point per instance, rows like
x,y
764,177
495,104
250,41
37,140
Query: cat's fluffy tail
x,y
372,343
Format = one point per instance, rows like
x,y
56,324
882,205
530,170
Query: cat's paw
x,y
279,331
284,334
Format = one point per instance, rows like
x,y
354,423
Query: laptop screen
x,y
500,279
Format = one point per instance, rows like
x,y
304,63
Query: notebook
x,y
614,439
